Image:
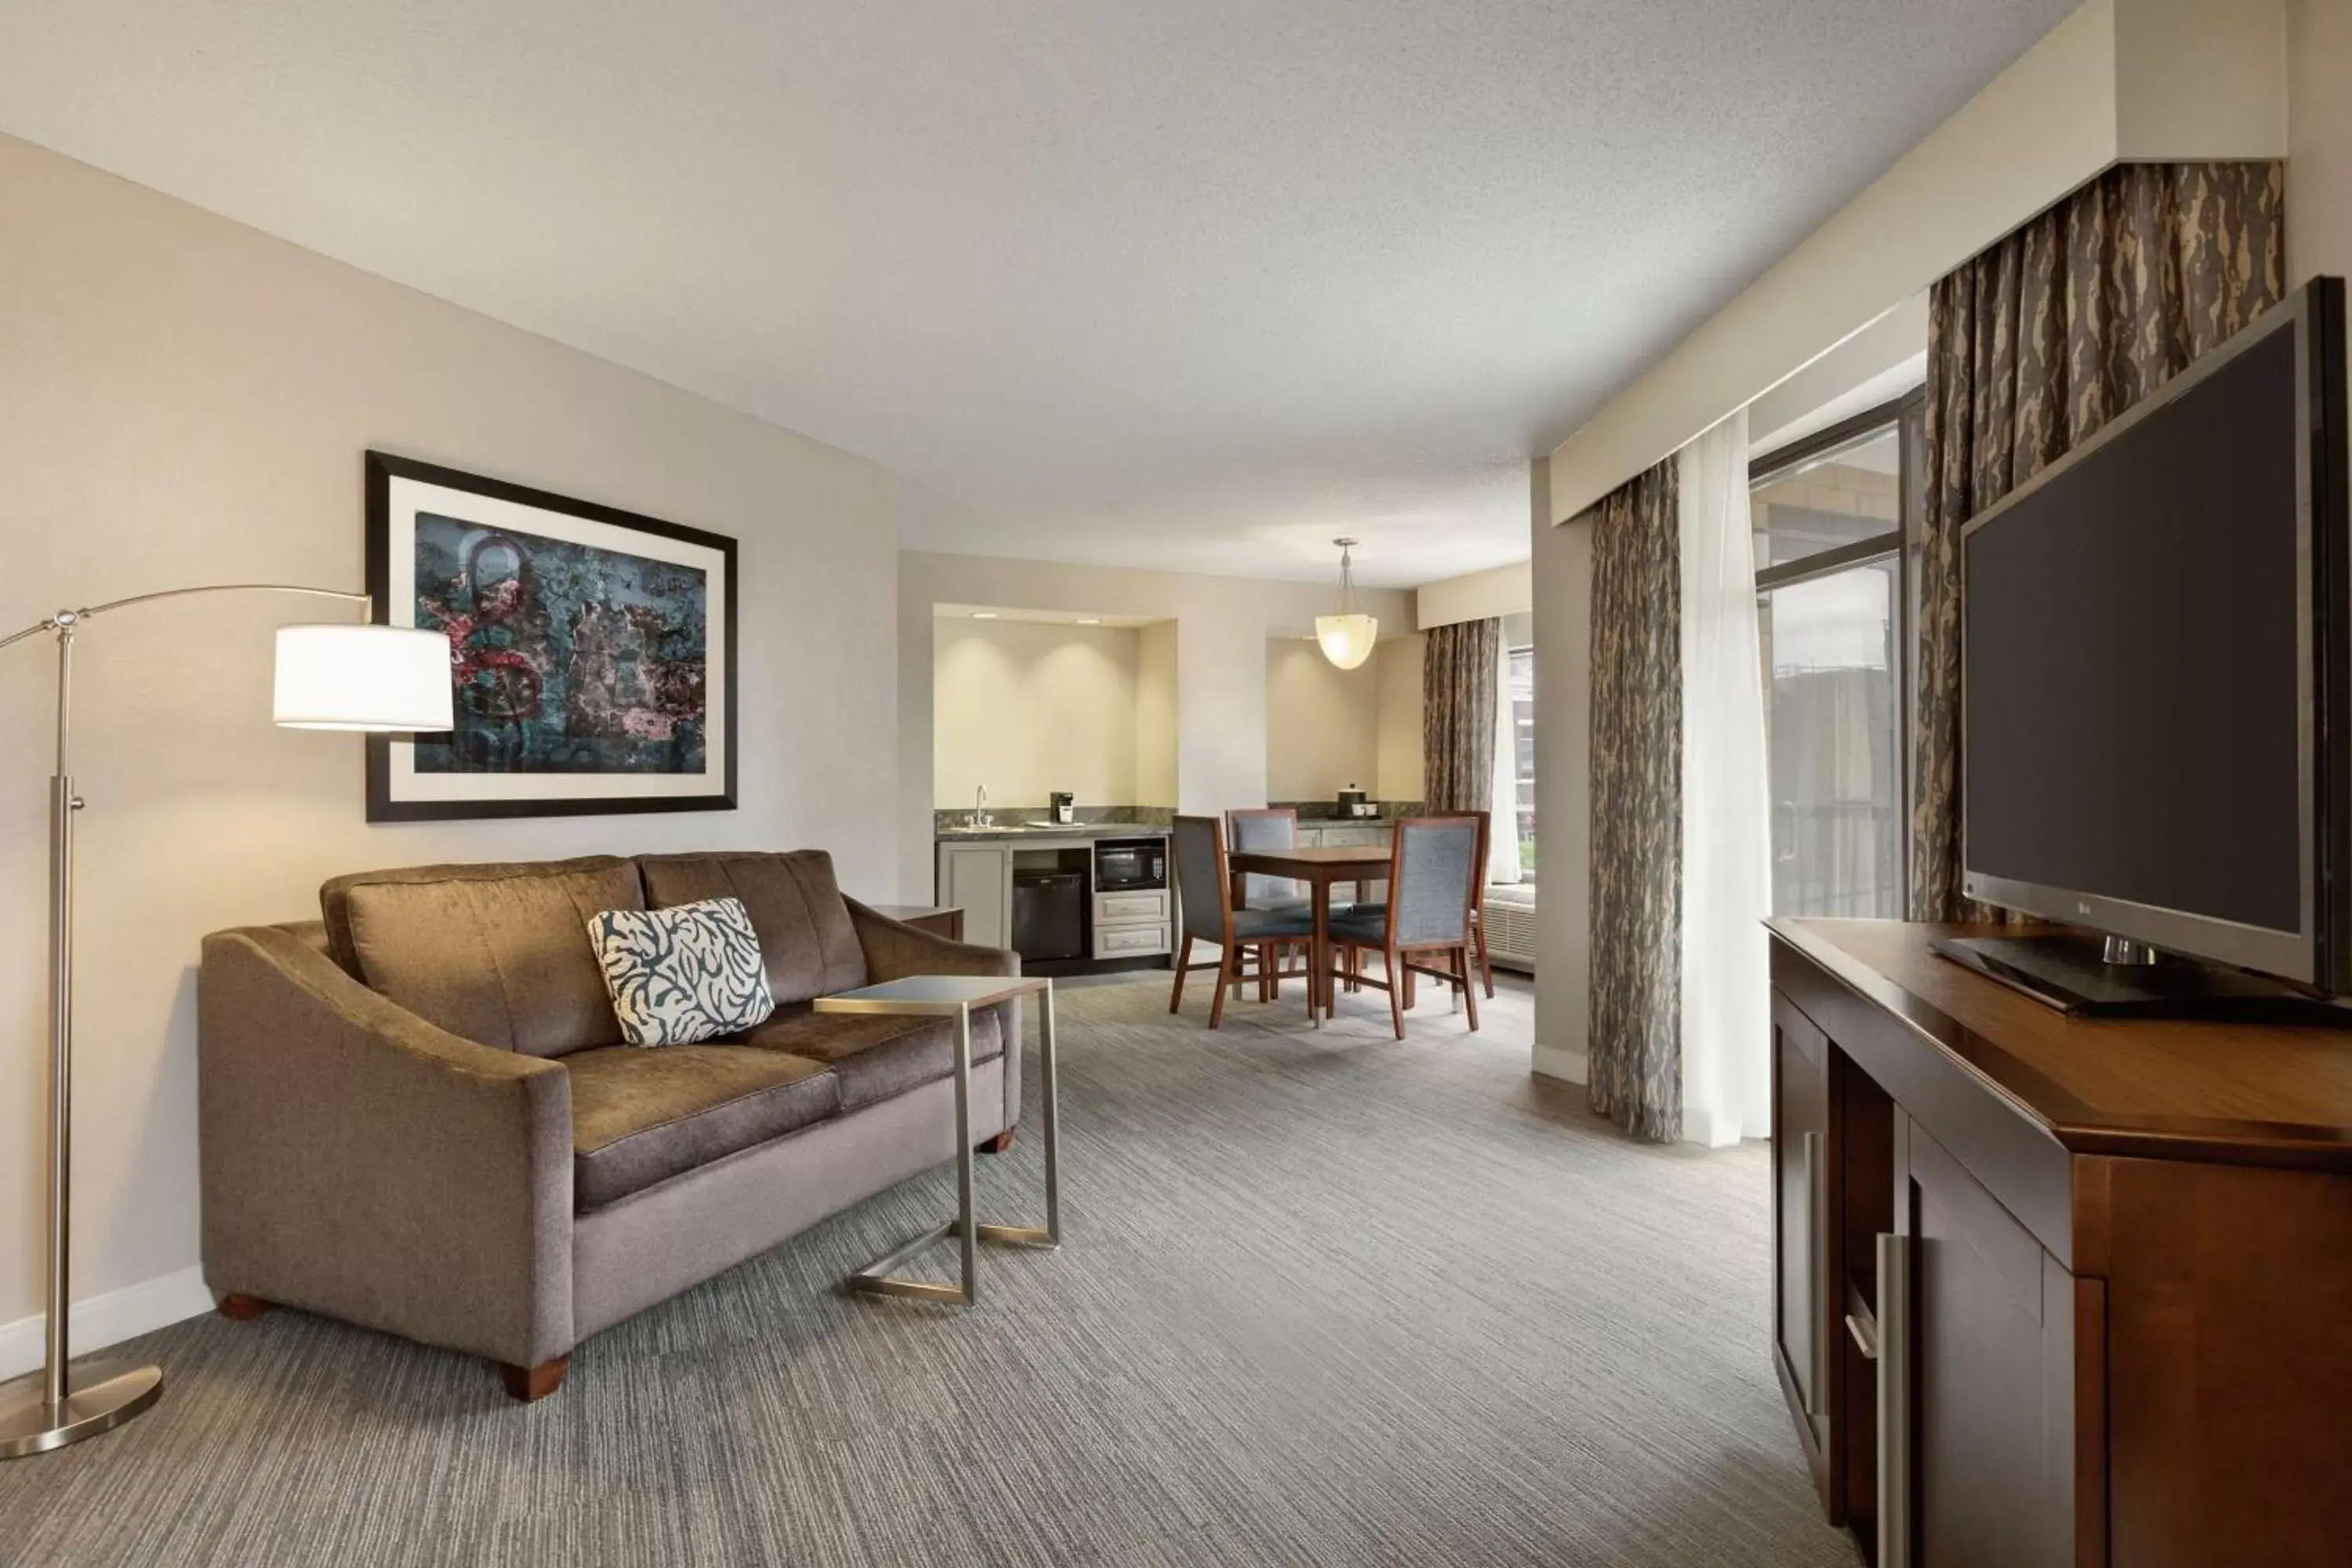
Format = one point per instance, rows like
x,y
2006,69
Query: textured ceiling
x,y
1193,284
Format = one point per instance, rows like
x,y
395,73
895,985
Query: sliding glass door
x,y
1833,613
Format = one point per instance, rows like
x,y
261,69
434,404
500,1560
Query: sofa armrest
x,y
895,950
359,1162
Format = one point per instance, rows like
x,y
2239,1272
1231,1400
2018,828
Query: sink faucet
x,y
979,817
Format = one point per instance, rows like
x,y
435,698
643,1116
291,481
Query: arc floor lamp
x,y
335,677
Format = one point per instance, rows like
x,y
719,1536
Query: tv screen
x,y
2140,696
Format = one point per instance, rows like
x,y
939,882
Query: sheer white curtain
x,y
1726,814
1502,801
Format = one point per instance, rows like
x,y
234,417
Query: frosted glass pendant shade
x,y
1347,636
363,678
1346,639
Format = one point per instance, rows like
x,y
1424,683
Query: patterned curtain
x,y
1634,1064
2033,346
1460,666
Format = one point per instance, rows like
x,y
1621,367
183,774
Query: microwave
x,y
1123,864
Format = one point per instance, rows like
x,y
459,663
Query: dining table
x,y
1319,868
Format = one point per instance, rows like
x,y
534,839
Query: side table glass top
x,y
932,993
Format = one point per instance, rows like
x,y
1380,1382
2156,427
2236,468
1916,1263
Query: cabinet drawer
x,y
1354,837
1122,908
1123,941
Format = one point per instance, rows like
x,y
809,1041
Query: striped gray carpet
x,y
1326,1300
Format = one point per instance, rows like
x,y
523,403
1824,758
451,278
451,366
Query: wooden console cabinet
x,y
2056,1291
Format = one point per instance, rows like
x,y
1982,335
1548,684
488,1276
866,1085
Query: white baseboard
x,y
1566,1066
1714,1131
108,1320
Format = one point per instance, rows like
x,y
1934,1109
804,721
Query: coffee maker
x,y
1066,806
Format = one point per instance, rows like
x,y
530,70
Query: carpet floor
x,y
1324,1298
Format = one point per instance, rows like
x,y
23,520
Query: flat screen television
x,y
2156,691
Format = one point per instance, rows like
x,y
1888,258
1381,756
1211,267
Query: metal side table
x,y
954,996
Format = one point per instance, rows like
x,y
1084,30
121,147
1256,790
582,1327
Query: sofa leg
x,y
241,1307
996,1145
528,1385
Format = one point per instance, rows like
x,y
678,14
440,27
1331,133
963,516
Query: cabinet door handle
x,y
1865,1337
1894,1327
1817,1295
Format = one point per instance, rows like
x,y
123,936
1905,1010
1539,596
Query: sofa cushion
x,y
496,954
640,1116
877,1057
806,939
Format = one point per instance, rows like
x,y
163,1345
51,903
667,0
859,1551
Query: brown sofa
x,y
417,1115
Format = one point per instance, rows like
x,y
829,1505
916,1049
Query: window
x,y
1522,674
1833,613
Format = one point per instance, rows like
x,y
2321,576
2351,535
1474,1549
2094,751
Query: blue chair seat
x,y
1302,907
1263,925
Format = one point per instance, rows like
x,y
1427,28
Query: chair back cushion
x,y
1436,877
807,943
496,953
682,976
1265,830
1200,886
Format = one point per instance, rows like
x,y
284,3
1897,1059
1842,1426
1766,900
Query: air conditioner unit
x,y
1510,921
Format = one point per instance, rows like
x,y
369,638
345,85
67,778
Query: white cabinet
x,y
1131,922
1130,941
1132,908
978,880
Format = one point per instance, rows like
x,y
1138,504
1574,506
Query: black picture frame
x,y
381,469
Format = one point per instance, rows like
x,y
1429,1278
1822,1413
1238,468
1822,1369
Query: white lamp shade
x,y
363,678
1346,639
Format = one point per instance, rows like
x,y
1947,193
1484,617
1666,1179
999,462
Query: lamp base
x,y
99,1396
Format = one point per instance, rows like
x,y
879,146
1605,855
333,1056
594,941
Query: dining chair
x,y
1271,827
1434,877
1478,898
1477,906
1204,893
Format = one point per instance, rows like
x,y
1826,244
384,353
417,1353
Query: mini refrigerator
x,y
1049,914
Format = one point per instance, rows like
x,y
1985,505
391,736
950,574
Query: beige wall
x,y
1322,723
1563,632
1220,628
2319,138
1028,708
1399,767
184,400
1481,595
1877,364
2200,78
1155,716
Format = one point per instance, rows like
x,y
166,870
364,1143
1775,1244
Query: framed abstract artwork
x,y
592,651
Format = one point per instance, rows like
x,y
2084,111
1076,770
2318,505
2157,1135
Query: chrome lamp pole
x,y
341,676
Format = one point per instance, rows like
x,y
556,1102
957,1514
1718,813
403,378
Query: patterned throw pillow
x,y
682,975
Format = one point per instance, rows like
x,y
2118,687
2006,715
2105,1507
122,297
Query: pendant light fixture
x,y
1346,637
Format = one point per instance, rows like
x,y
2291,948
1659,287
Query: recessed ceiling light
x,y
983,614
1089,620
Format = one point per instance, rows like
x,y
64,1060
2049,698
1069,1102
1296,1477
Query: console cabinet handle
x,y
1817,1301
1894,1401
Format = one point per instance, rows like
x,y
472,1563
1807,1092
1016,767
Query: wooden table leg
x,y
1318,963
